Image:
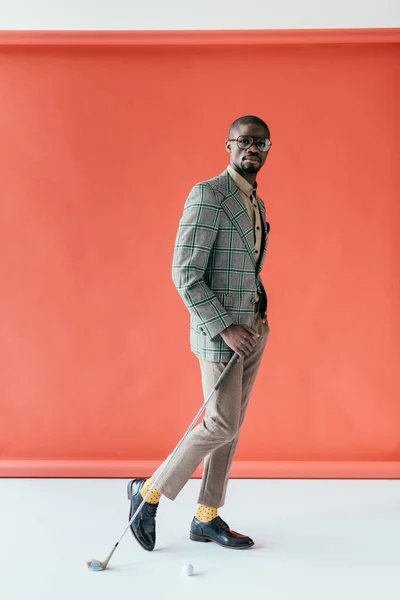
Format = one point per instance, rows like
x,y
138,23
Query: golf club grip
x,y
235,358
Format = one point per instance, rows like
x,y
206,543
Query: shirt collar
x,y
241,182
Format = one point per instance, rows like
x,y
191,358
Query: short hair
x,y
246,121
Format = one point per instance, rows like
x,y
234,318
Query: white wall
x,y
198,14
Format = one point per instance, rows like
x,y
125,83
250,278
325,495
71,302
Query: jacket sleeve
x,y
196,235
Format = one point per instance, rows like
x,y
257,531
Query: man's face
x,y
252,159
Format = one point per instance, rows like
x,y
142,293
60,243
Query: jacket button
x,y
204,333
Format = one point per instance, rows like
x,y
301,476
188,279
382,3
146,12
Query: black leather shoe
x,y
218,531
144,525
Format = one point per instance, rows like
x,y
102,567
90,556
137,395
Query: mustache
x,y
252,156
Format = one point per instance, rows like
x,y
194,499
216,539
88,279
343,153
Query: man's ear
x,y
228,146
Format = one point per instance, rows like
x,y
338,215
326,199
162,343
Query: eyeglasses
x,y
245,142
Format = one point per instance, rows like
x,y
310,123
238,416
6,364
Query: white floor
x,y
315,539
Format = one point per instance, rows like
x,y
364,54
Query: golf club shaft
x,y
235,358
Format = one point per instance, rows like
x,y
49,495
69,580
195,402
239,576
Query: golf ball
x,y
187,570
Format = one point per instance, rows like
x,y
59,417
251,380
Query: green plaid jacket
x,y
214,264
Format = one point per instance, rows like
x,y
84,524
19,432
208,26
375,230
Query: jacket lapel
x,y
233,205
264,233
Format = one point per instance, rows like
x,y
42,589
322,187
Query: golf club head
x,y
95,565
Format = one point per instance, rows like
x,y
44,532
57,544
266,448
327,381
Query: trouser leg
x,y
219,426
218,464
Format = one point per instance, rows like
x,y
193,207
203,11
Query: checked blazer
x,y
214,264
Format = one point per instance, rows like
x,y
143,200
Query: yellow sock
x,y
205,514
155,494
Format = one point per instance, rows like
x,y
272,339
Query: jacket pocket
x,y
227,300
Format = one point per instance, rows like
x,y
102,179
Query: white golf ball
x,y
187,570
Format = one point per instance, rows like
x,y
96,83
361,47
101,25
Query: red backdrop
x,y
99,149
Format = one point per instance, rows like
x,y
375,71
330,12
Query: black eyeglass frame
x,y
254,140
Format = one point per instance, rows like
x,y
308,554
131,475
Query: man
x,y
219,252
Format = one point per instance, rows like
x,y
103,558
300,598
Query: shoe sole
x,y
129,491
200,538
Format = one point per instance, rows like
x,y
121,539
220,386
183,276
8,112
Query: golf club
x,y
97,565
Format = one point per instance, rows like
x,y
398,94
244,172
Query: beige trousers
x,y
216,437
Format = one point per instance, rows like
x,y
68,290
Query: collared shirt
x,y
248,195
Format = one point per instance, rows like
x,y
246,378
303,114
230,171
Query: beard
x,y
251,167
